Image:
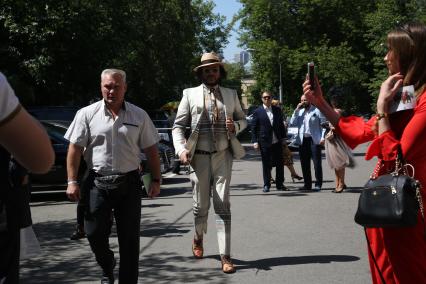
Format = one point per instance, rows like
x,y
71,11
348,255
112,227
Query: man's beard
x,y
216,82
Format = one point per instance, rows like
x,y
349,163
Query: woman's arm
x,y
28,142
316,98
353,129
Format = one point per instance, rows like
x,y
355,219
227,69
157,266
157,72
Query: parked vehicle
x,y
292,133
163,124
57,175
62,115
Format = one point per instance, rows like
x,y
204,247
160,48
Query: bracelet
x,y
381,115
156,180
72,182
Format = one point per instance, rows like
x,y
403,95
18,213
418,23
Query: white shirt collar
x,y
265,107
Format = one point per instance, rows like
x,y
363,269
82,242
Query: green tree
x,y
343,38
54,50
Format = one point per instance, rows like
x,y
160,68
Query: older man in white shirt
x,y
111,134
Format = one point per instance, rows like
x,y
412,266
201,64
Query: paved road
x,y
278,237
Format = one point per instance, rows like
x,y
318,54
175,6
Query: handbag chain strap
x,y
377,168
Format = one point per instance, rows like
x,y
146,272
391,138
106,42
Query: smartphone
x,y
311,74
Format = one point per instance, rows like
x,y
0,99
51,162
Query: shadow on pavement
x,y
61,260
268,263
175,180
169,267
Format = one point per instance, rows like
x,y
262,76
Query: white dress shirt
x,y
271,119
112,145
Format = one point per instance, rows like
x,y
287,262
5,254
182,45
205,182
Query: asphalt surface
x,y
277,237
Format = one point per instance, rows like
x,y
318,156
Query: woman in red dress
x,y
400,253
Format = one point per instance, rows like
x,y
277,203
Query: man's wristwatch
x,y
156,180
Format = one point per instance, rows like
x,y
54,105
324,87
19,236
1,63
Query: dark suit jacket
x,y
261,128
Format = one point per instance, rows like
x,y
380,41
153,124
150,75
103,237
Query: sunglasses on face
x,y
266,98
210,70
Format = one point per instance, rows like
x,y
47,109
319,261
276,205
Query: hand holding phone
x,y
311,74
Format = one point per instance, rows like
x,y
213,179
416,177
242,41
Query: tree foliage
x,y
53,51
344,39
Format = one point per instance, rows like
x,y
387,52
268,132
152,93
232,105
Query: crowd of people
x,y
109,135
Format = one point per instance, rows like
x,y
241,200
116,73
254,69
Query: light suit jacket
x,y
316,118
191,109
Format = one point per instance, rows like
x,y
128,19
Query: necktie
x,y
215,109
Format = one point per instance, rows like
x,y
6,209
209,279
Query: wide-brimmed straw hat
x,y
209,59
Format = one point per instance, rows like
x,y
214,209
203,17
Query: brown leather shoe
x,y
197,248
227,265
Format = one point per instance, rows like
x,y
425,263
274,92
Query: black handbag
x,y
390,200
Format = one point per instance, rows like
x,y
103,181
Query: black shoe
x,y
282,188
107,280
266,188
303,188
78,234
317,188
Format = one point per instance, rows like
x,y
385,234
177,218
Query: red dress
x,y
400,252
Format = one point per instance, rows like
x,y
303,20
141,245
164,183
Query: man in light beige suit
x,y
214,114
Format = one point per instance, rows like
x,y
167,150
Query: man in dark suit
x,y
268,133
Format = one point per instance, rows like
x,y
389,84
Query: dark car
x,y
163,125
57,175
58,114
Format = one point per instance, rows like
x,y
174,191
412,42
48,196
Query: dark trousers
x,y
272,156
126,203
9,256
307,151
17,204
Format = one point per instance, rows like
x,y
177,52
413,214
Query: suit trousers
x,y
307,151
125,202
211,178
272,156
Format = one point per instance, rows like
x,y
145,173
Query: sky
x,y
228,8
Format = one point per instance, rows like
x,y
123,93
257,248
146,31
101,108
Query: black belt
x,y
201,152
125,174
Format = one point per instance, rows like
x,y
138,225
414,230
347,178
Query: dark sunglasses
x,y
266,98
210,70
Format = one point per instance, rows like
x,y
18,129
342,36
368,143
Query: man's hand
x,y
184,157
315,96
73,192
300,105
154,189
256,146
230,125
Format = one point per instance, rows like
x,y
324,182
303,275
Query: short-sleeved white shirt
x,y
9,103
112,146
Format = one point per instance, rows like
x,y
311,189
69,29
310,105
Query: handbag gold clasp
x,y
393,189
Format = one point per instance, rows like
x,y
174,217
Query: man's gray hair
x,y
112,72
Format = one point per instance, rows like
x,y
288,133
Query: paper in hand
x,y
146,180
403,100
